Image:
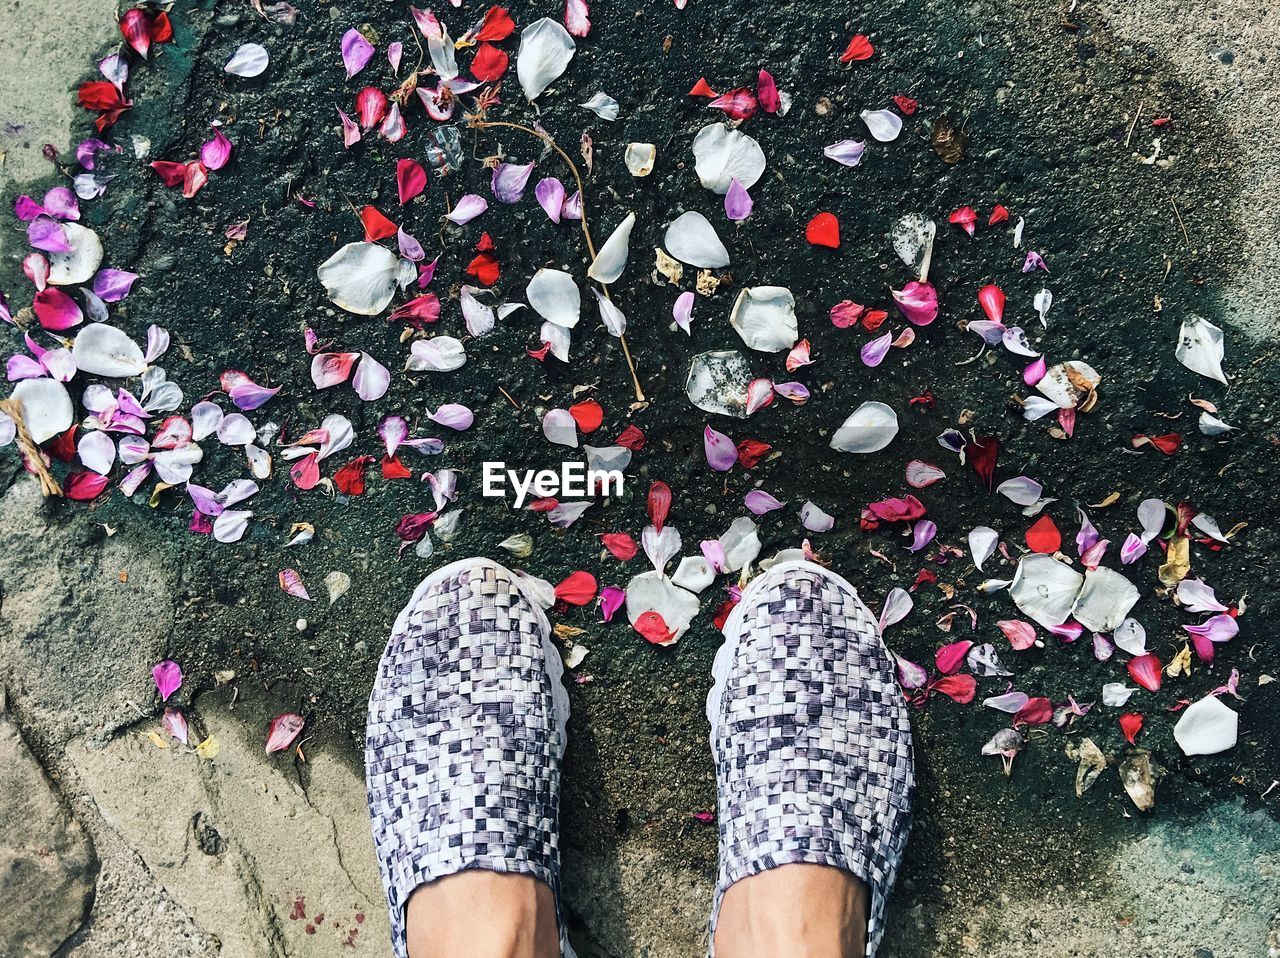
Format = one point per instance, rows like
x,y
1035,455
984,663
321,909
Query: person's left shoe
x,y
465,737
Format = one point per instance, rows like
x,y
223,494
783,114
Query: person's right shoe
x,y
811,737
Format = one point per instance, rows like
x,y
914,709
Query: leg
x,y
483,914
465,737
812,911
814,773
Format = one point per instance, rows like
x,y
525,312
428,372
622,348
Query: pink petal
x,y
467,208
845,152
453,416
949,658
330,369
918,302
175,723
1035,372
760,502
798,393
283,730
393,430
576,19
291,582
682,311
921,475
737,201
372,379
1021,635
350,130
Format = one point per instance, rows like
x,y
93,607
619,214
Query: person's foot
x,y
811,739
465,737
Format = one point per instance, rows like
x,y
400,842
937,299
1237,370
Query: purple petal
x,y
87,152
845,152
410,248
61,203
922,534
248,395
759,502
1034,261
113,285
720,450
874,352
356,52
453,416
550,194
466,209
798,393
572,209
509,180
1132,550
46,233
168,676
1218,628
737,201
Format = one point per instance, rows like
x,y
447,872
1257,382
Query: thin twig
x,y
546,138
1128,136
1176,212
509,399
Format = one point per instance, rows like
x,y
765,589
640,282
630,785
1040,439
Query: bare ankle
x,y
482,914
805,911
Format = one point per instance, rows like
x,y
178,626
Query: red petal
x,y
376,226
631,437
859,48
982,455
100,95
1037,711
588,415
965,217
393,468
1044,536
620,545
654,628
722,613
998,215
873,319
702,88
578,588
1131,725
305,473
543,505
161,28
751,451
659,504
823,230
83,486
350,478
63,446
489,64
958,688
411,179
485,242
371,107
170,173
906,104
1146,671
497,25
485,269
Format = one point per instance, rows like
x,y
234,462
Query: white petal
x,y
79,265
611,258
1211,425
1129,636
982,543
640,158
1042,301
103,350
360,278
722,154
555,297
1207,727
231,525
1200,348
46,407
1105,600
869,428
1021,490
545,51
814,519
1209,526
607,459
765,318
249,61
660,547
884,125
741,543
1060,383
559,427
1045,589
615,321
1116,694
97,451
654,592
602,105
692,239
478,317
236,430
558,338
205,417
693,573
371,380
439,354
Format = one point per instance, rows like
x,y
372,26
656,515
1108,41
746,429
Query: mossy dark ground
x,y
1047,106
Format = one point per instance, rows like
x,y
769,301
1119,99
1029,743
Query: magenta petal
x,y
950,657
1035,372
113,285
454,416
874,352
720,450
168,677
509,180
611,600
737,201
918,302
216,153
356,52
56,310
922,534
1133,549
759,502
550,194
